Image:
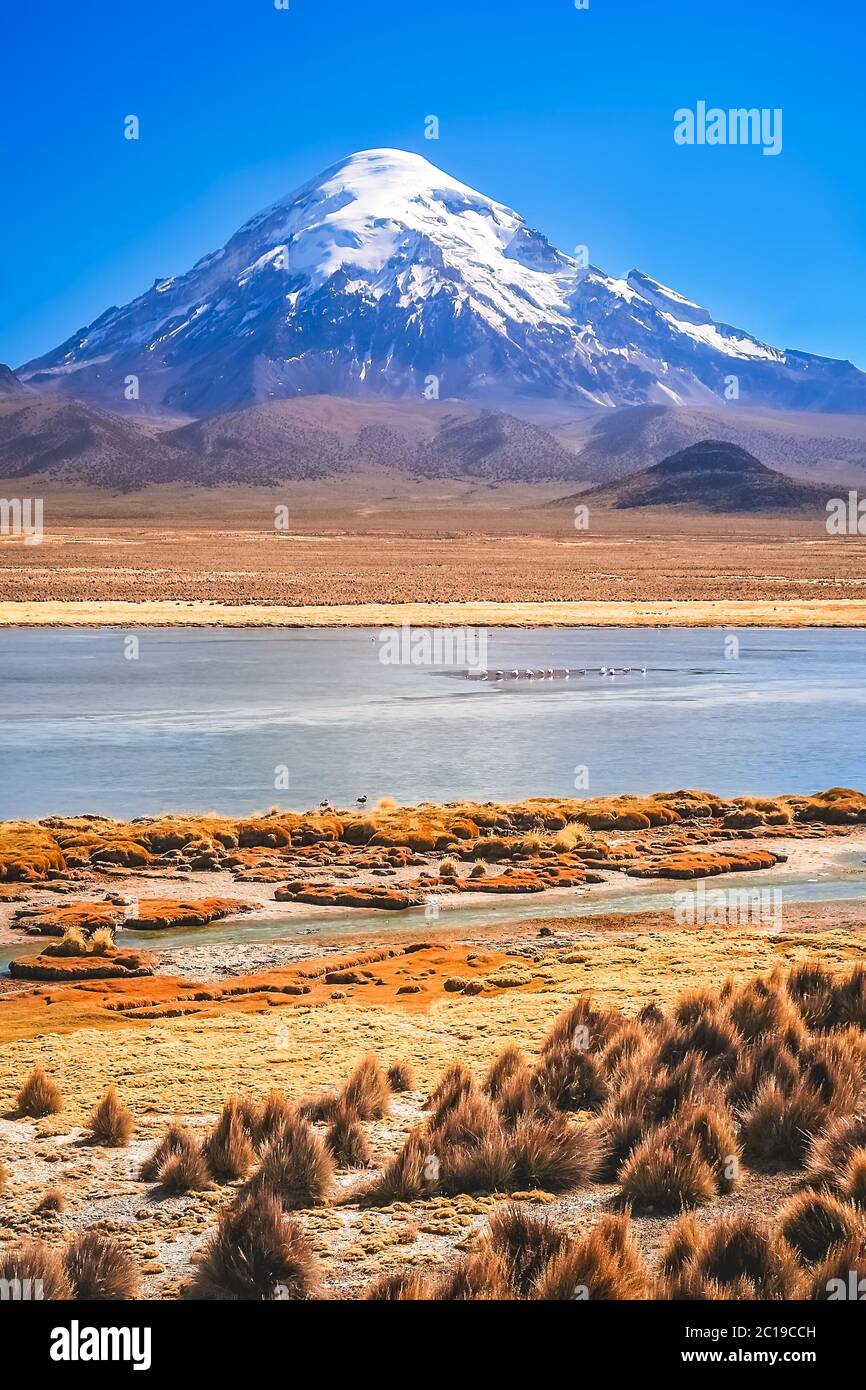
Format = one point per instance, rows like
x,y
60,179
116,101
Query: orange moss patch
x,y
112,965
384,899
57,918
105,1001
159,914
702,864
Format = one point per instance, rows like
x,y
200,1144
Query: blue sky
x,y
565,115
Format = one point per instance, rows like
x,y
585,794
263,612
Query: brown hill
x,y
715,476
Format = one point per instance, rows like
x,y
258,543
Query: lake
x,y
222,719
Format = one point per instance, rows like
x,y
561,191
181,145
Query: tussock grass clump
x,y
53,1203
455,1082
367,1093
813,1222
101,941
478,1277
527,1243
39,1095
184,1170
346,1139
38,1268
176,1138
228,1149
853,1181
570,1078
841,1276
296,1167
257,1253
99,1269
780,1126
682,1245
602,1266
401,1076
582,1026
510,1062
658,1176
762,1061
829,1152
517,1096
274,1112
710,1131
399,1287
413,1172
761,1007
319,1109
711,1037
736,1258
553,1153
111,1123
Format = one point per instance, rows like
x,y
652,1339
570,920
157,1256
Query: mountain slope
x,y
714,476
384,273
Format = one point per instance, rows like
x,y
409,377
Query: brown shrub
x,y
401,1076
813,1222
413,1171
737,1258
841,1276
257,1253
367,1092
185,1169
455,1082
526,1244
601,1266
554,1153
780,1126
176,1138
52,1203
476,1277
111,1123
99,1269
711,1132
228,1149
34,1262
39,1095
659,1176
830,1150
853,1181
682,1245
274,1112
570,1078
346,1139
510,1062
401,1286
296,1166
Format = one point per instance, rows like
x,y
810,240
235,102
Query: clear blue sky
x,y
565,115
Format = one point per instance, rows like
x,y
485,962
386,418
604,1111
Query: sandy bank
x,y
725,613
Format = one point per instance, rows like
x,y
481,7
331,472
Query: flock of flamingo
x,y
554,673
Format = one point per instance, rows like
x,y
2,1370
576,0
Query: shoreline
x,y
842,613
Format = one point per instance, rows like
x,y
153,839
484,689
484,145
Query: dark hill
x,y
713,476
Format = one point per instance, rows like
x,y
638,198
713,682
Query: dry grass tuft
x,y
296,1167
813,1222
99,1269
346,1139
402,1286
510,1063
176,1138
527,1243
39,1095
185,1168
367,1092
53,1203
257,1253
111,1123
601,1266
401,1076
39,1270
660,1177
228,1148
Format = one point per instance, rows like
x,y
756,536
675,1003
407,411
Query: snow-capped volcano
x,y
385,276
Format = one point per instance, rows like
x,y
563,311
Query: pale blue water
x,y
203,719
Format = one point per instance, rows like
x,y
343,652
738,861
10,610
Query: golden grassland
x,y
784,613
379,542
690,1130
